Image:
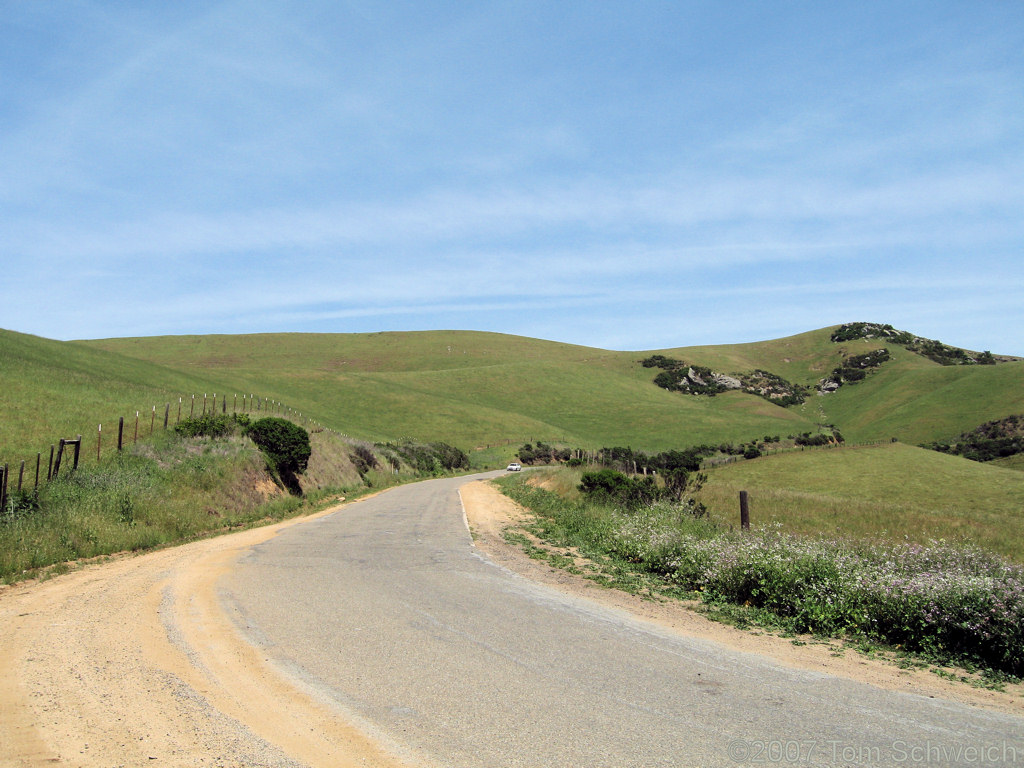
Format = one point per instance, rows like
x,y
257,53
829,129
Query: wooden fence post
x,y
152,421
744,511
78,448
99,437
167,414
3,488
39,461
136,438
192,410
60,454
120,433
178,420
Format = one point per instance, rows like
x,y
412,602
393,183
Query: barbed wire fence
x,y
70,450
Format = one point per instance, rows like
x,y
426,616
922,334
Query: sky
x,y
628,175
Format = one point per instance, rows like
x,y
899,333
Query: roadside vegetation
x,y
949,603
209,475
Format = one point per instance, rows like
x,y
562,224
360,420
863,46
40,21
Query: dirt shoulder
x,y
489,512
135,662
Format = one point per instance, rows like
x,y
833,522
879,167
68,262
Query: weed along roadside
x,y
210,474
943,603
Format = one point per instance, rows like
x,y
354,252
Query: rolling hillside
x,y
53,389
468,388
474,389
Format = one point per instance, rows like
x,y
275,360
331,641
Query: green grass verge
x,y
167,490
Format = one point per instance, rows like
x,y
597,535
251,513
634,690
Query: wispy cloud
x,y
277,166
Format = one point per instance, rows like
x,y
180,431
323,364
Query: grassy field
x,y
890,491
470,389
54,389
476,389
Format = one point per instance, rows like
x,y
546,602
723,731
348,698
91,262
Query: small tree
x,y
285,444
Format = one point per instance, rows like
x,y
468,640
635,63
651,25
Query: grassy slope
x,y
475,389
909,397
54,389
468,388
922,405
802,359
892,491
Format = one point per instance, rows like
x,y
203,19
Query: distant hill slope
x,y
910,397
53,389
470,388
474,388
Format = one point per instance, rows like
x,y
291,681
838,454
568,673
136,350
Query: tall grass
x,y
160,493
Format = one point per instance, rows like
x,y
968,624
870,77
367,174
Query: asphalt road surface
x,y
388,611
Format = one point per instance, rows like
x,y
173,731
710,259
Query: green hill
x,y
474,389
467,388
53,389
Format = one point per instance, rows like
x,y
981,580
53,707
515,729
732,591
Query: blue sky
x,y
628,175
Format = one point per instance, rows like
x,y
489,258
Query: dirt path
x,y
135,662
488,512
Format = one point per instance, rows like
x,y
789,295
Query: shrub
x,y
630,492
210,425
430,458
363,459
992,440
286,445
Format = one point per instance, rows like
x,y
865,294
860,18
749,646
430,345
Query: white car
x,y
513,467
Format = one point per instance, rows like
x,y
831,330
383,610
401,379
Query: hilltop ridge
x,y
476,388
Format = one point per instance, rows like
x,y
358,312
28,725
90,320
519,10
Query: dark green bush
x,y
430,458
210,425
285,443
992,440
630,492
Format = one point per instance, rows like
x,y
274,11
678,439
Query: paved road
x,y
387,609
